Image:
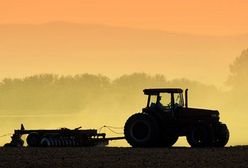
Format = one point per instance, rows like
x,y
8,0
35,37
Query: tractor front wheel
x,y
221,135
200,135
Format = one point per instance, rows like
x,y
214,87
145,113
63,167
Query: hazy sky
x,y
139,35
218,17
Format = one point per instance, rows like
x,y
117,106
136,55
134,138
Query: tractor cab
x,y
164,99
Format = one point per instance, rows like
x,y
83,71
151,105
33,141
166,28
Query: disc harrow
x,y
63,137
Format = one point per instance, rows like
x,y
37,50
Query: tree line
x,y
60,94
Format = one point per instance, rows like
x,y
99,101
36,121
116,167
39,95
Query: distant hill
x,y
69,48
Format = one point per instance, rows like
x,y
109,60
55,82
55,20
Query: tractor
x,y
167,117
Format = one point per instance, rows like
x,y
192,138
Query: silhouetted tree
x,y
238,77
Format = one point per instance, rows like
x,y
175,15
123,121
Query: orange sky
x,y
28,47
216,17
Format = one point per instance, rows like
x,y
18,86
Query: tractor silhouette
x,y
167,116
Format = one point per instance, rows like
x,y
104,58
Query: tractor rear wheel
x,y
200,135
8,145
168,141
141,130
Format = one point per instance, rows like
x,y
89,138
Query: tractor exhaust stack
x,y
186,98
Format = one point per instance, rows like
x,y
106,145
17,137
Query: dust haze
x,y
91,101
39,93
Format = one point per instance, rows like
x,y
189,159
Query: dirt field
x,y
100,157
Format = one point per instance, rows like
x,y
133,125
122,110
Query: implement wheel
x,y
33,139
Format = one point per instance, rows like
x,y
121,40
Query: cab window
x,y
178,98
165,99
153,100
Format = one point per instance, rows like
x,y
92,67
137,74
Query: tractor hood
x,y
198,113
